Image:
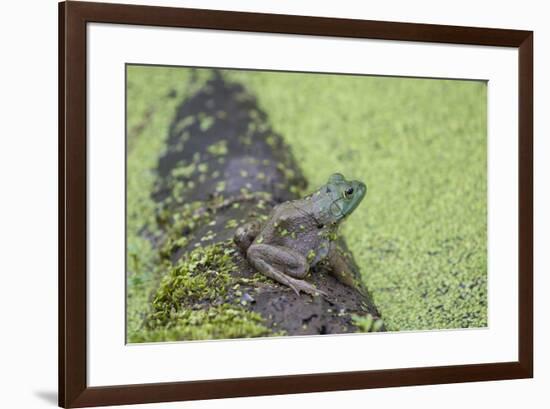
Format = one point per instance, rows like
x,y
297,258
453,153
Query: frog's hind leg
x,y
283,265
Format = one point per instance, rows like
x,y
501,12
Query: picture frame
x,y
74,390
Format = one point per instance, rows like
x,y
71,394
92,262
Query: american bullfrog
x,y
299,234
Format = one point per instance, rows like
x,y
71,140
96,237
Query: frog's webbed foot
x,y
304,286
283,265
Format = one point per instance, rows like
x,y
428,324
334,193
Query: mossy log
x,y
224,166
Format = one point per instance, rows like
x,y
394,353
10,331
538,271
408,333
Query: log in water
x,y
224,166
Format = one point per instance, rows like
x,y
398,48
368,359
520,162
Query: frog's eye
x,y
348,192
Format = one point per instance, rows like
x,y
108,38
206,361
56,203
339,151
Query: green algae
x,y
367,323
420,236
218,148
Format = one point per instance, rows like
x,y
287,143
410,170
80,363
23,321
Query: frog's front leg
x,y
283,265
343,268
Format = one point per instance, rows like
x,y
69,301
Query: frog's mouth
x,y
337,209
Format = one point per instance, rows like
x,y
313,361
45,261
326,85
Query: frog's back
x,y
292,226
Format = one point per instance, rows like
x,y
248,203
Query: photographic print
x,y
264,203
340,186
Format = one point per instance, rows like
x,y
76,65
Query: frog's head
x,y
343,196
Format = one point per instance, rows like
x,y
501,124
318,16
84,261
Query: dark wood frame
x,y
73,388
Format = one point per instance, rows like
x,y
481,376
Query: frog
x,y
300,234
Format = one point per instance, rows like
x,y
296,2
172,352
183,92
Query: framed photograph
x,y
255,204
